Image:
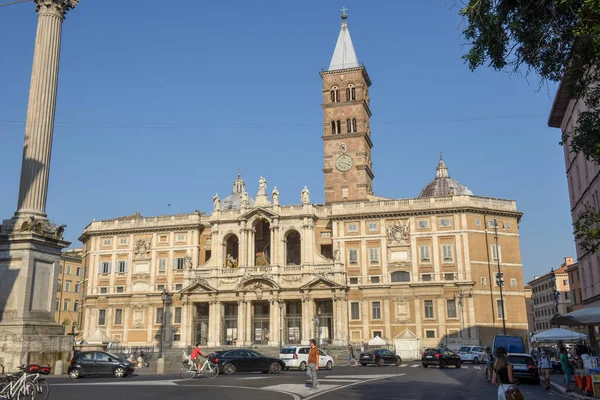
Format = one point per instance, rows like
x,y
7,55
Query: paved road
x,y
408,382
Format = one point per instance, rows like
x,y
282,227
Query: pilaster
x,y
241,323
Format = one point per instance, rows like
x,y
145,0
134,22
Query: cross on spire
x,y
344,16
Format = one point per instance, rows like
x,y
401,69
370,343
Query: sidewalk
x,y
558,384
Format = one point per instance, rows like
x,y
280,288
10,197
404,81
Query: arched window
x,y
337,95
332,93
333,127
349,125
339,126
400,276
348,94
353,124
293,248
353,94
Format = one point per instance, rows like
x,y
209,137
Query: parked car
x,y
475,354
297,357
512,344
524,367
380,358
441,357
245,360
98,363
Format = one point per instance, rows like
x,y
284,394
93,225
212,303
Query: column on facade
x,y
440,303
251,250
87,328
185,324
126,319
150,321
273,247
273,323
248,339
243,247
214,323
387,317
308,312
364,305
190,327
241,323
418,319
472,323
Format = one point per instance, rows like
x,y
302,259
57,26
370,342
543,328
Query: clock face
x,y
343,162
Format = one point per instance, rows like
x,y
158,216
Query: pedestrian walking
x,y
350,354
545,367
503,375
566,367
313,363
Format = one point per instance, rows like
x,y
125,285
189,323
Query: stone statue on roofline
x,y
305,196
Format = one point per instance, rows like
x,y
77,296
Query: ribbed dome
x,y
234,200
443,185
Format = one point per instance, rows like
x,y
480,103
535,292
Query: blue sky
x,y
160,103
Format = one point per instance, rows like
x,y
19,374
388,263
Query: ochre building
x,y
415,272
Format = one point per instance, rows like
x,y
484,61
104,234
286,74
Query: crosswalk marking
x,y
415,366
339,380
404,365
253,377
477,367
359,376
299,389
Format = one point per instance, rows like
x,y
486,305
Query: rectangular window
x,y
423,224
494,251
123,241
507,225
499,309
178,286
160,288
325,234
177,315
428,309
566,282
374,279
68,270
65,305
492,224
105,267
352,228
513,282
477,222
67,286
118,316
106,242
376,310
355,310
353,281
424,254
447,253
103,290
162,264
122,266
353,256
449,276
179,261
451,308
58,287
180,237
445,222
101,317
372,226
163,239
120,289
78,273
77,287
374,256
176,337
426,277
75,305
159,315
429,334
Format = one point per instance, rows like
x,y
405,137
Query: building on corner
x,y
69,291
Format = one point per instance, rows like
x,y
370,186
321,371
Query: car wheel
x,y
398,361
425,365
275,368
302,366
119,372
364,365
381,362
286,369
442,364
75,373
476,360
458,364
329,365
229,369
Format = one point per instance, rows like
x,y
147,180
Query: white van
x,y
297,357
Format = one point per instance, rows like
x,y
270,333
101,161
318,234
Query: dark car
x,y
380,358
524,367
245,360
98,363
442,357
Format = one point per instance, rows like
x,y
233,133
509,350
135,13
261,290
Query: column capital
x,y
57,8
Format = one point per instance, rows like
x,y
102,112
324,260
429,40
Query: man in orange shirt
x,y
195,353
313,363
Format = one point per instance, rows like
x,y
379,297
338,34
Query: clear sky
x,y
160,103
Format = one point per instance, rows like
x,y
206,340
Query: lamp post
x,y
164,297
461,303
555,293
500,275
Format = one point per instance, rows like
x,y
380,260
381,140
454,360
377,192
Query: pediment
x,y
257,213
252,283
321,282
199,285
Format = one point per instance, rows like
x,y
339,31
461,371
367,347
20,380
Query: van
x,y
512,344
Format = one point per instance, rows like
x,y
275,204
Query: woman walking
x,y
503,373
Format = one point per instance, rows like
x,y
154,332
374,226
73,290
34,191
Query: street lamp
x,y
555,293
164,297
499,275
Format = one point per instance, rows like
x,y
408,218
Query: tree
x,y
557,40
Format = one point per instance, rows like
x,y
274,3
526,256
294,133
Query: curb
x,y
558,388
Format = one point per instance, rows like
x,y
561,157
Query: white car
x,y
475,354
297,357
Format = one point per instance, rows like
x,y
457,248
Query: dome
x,y
234,200
443,185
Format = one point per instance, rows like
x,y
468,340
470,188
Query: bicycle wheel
x,y
188,372
27,392
211,371
43,389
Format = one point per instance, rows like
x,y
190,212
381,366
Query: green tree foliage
x,y
555,39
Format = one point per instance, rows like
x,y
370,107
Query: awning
x,y
377,341
585,317
556,334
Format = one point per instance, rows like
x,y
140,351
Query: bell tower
x,y
347,132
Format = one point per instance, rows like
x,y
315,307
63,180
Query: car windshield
x,y
113,356
288,350
465,349
430,352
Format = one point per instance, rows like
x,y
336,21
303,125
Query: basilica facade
x,y
414,272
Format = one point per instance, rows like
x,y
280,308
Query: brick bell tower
x,y
347,132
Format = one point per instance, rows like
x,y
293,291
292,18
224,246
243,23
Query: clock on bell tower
x,y
347,133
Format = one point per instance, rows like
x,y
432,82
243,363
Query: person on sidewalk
x,y
566,367
545,367
350,354
313,363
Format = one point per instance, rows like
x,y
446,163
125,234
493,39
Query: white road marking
x,y
319,392
477,367
361,376
338,380
404,365
120,382
252,377
464,366
299,389
415,366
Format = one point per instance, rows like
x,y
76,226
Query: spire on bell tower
x,y
344,55
239,186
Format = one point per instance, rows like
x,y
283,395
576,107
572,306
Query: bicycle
x,y
17,387
40,384
208,369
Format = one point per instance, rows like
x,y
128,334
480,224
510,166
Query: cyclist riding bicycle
x,y
197,352
490,362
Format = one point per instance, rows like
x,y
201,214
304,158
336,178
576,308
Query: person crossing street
x,y
313,363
